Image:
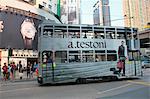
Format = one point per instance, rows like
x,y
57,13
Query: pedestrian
x,y
20,66
122,58
32,70
9,71
20,70
35,66
5,71
28,70
13,69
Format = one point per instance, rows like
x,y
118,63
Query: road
x,y
127,89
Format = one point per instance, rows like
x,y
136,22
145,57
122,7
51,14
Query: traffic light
x,y
1,26
10,52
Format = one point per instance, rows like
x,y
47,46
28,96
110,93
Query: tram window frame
x,y
73,55
87,56
61,56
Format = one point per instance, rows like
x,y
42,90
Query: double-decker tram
x,y
69,53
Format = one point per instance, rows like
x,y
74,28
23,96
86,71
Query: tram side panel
x,y
71,72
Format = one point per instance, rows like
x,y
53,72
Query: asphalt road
x,y
128,89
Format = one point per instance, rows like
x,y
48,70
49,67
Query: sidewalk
x,y
24,78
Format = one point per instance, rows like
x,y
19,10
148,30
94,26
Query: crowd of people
x,y
9,71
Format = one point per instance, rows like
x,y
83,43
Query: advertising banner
x,y
19,31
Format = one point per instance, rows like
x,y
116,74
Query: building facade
x,y
70,11
19,21
101,13
136,13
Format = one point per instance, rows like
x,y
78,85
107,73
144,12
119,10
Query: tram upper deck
x,y
52,35
55,30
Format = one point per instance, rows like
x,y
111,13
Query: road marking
x,y
116,88
139,82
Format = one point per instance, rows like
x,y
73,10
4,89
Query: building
x,y
145,42
70,11
101,13
17,17
136,13
49,5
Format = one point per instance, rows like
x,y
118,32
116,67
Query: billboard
x,y
19,32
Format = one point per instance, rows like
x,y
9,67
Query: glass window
x,y
47,56
60,32
87,56
100,55
134,56
74,34
61,56
99,32
74,56
48,32
87,32
111,57
110,35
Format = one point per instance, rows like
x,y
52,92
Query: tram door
x,y
134,55
47,66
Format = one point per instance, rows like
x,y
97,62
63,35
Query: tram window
x,y
121,36
48,33
46,55
134,56
60,33
74,56
61,56
100,57
74,34
111,57
99,35
87,56
129,36
110,35
88,34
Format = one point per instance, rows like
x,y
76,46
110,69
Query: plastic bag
x,y
120,65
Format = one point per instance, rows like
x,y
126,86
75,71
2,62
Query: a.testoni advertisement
x,y
19,31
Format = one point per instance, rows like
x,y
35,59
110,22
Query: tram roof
x,y
85,26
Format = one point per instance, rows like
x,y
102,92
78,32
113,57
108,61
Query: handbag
x,y
120,64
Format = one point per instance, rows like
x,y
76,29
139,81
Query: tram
x,y
78,53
